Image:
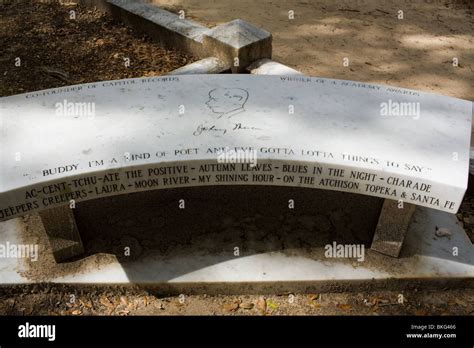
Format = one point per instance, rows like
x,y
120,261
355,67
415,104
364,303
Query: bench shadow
x,y
215,221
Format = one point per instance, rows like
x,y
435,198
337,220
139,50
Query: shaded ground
x,y
57,50
466,215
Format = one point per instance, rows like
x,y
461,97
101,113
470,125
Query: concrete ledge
x,y
64,238
392,227
211,65
269,67
425,260
238,43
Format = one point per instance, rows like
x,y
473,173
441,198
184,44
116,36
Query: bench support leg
x,y
64,238
392,227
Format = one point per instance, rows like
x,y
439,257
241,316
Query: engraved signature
x,y
237,126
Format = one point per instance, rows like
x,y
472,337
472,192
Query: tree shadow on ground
x,y
414,52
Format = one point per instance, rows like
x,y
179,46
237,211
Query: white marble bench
x,y
72,144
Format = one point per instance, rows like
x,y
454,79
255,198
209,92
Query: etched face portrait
x,y
227,101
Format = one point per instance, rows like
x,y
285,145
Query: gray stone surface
x,y
187,266
267,66
392,227
238,39
64,238
210,65
335,139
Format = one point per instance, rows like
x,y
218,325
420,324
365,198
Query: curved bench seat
x,y
107,138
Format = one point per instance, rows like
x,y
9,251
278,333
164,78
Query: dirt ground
x,y
466,215
415,52
65,300
55,50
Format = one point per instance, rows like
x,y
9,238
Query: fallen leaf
x,y
272,305
345,307
261,305
246,305
314,300
105,301
231,307
55,72
86,304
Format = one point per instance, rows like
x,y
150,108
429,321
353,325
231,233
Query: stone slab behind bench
x,y
236,43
